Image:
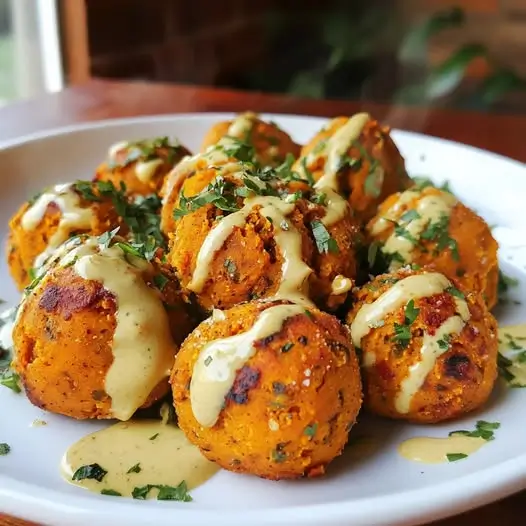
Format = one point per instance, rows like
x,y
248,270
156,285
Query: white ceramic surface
x,y
380,488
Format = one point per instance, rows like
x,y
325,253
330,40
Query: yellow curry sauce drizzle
x,y
73,217
142,347
135,454
430,209
144,170
410,288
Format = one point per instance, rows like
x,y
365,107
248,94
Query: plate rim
x,y
471,490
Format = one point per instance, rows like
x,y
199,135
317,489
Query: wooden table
x,y
504,134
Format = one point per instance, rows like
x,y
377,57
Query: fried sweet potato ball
x,y
428,346
93,339
43,224
238,240
141,165
431,228
271,144
356,157
286,410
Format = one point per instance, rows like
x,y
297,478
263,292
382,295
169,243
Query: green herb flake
x,y
160,281
11,380
324,241
454,457
110,492
178,493
402,335
208,361
411,312
231,270
310,430
483,429
91,471
445,342
4,449
278,455
374,180
153,437
135,469
307,172
409,216
287,347
86,190
455,292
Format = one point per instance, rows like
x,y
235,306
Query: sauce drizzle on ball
x,y
219,361
73,217
142,344
411,288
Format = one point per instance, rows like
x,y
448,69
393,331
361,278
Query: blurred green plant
x,y
350,38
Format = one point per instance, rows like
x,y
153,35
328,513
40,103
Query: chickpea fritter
x,y
271,144
431,228
429,348
239,248
356,157
292,403
73,333
141,166
43,224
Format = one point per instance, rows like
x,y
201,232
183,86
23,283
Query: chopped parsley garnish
x,y
104,240
110,492
411,312
454,457
503,363
11,380
438,233
85,189
220,193
483,430
160,281
4,449
403,331
408,216
240,150
402,335
153,437
324,241
307,172
91,471
278,455
319,199
231,270
208,361
445,342
455,292
310,430
135,469
287,347
179,493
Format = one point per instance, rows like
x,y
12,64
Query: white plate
x,y
380,489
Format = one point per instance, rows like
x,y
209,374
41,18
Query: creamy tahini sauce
x,y
372,314
242,125
143,350
73,217
294,270
517,335
429,353
431,208
340,285
410,288
167,459
218,362
145,170
336,147
435,450
336,207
